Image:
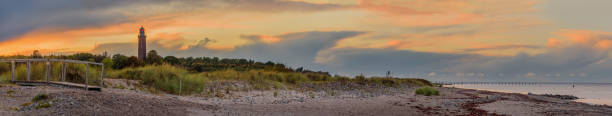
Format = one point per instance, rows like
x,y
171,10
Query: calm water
x,y
588,93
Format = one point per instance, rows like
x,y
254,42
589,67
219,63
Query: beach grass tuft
x,y
427,91
39,97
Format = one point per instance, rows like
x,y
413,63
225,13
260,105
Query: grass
x,y
312,95
169,79
427,91
43,105
163,77
26,104
332,93
74,72
39,97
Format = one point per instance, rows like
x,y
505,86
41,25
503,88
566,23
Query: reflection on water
x,y
588,93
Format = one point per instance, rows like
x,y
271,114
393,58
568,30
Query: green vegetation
x,y
198,75
163,77
39,97
427,91
26,104
45,104
312,94
332,93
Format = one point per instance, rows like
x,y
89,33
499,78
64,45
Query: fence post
x,y
13,71
86,76
63,71
28,69
102,77
48,70
180,86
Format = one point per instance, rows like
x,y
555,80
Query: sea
x,y
592,93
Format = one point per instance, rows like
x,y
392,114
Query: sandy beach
x,y
383,101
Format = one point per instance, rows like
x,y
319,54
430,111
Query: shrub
x,y
43,105
26,104
275,93
39,97
166,78
332,93
311,94
427,91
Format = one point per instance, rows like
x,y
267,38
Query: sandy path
x,y
391,102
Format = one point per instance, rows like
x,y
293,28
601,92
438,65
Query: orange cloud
x,y
421,13
447,12
595,39
553,43
269,39
84,38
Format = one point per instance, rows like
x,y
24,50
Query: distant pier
x,y
511,83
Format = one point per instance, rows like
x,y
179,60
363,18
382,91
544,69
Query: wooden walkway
x,y
47,81
59,84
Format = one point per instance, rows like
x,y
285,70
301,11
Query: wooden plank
x,y
48,71
61,84
29,70
12,70
55,60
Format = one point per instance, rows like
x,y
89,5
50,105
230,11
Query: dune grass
x,y
427,91
174,80
166,78
39,97
163,77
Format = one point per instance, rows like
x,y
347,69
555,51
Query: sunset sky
x,y
441,40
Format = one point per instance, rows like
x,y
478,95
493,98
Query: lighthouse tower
x,y
142,44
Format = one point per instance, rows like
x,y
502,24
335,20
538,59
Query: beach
x,y
386,101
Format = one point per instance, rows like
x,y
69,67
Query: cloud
x,y
78,24
583,52
448,12
315,50
449,26
500,47
295,49
353,61
21,17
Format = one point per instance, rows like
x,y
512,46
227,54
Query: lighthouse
x,y
142,44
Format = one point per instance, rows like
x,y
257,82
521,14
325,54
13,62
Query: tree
x,y
119,61
36,54
83,56
153,58
360,77
133,61
108,63
301,69
172,60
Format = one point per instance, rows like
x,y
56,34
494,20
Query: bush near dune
x,y
195,75
166,78
427,91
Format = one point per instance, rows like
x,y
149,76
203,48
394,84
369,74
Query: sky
x,y
439,40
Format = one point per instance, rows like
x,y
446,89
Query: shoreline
x,y
375,101
576,99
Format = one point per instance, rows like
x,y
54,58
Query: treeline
x,y
192,64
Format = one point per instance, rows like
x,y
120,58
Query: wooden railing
x,y
48,67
